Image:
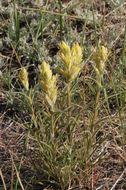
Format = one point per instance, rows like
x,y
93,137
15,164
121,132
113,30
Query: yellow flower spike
x,y
100,54
71,58
76,53
98,78
103,53
74,72
45,71
23,77
48,82
65,53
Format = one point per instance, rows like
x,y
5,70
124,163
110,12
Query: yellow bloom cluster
x,y
100,56
48,82
23,77
71,58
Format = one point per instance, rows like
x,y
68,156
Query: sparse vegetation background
x,y
63,95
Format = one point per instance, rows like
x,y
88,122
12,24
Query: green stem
x,y
52,123
95,116
69,94
52,132
69,114
60,18
33,117
16,23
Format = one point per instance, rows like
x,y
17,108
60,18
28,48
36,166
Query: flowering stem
x,y
52,135
69,94
33,117
32,113
69,105
96,109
